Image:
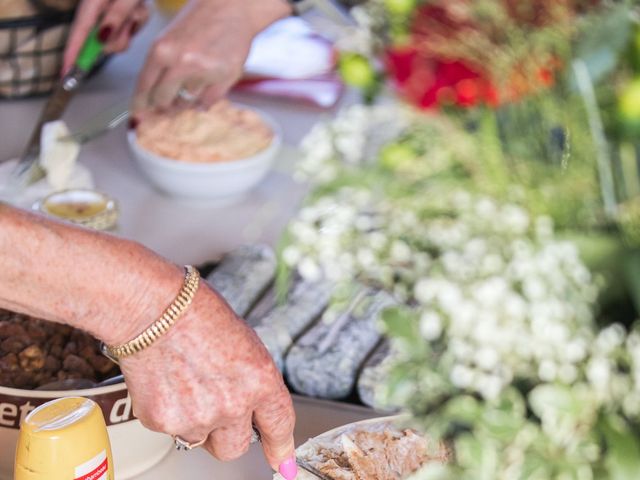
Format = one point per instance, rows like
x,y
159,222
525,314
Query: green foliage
x,y
542,153
622,457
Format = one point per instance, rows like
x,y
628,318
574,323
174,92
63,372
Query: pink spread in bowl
x,y
220,154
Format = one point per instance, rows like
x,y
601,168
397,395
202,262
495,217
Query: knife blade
x,y
28,170
312,470
95,126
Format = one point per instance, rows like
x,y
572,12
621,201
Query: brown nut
x,y
75,364
52,364
71,348
9,363
8,329
102,364
32,358
14,344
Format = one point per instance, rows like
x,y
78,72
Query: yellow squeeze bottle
x,y
65,439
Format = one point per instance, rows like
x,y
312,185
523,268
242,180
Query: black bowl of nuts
x,y
41,361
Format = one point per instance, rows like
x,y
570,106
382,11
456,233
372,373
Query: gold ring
x,y
184,446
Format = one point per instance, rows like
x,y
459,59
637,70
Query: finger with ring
x,y
184,446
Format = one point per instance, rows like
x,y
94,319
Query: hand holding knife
x,y
28,170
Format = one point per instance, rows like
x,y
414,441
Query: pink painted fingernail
x,y
289,469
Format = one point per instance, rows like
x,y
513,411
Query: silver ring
x,y
184,446
187,96
255,436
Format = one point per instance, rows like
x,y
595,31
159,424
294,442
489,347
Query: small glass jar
x,y
170,7
84,207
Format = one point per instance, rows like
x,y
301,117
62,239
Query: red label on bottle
x,y
99,472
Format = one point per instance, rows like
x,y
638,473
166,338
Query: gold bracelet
x,y
161,326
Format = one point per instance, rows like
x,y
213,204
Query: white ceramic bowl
x,y
336,432
135,449
207,181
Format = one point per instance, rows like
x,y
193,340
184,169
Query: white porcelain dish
x,y
436,453
207,181
135,449
365,424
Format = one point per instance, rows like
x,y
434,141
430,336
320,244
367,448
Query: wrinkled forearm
x,y
110,287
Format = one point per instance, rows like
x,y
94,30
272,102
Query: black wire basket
x,y
31,51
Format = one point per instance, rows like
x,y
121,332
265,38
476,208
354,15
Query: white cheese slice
x,y
57,157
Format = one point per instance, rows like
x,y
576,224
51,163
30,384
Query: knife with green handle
x,y
28,169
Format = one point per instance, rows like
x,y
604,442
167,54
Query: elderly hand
x,y
202,52
208,377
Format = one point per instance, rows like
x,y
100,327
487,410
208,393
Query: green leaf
x,y
480,457
463,409
505,419
603,254
434,471
623,450
632,275
401,323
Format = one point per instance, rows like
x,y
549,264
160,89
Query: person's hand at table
x,y
209,377
198,58
117,22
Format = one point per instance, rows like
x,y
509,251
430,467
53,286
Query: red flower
x,y
401,63
429,80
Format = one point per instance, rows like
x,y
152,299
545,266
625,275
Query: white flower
x,y
424,290
534,289
514,306
599,372
491,292
610,338
576,350
547,371
366,257
567,373
463,315
309,270
377,240
487,358
486,208
492,264
516,219
291,255
489,386
461,349
304,232
400,252
430,325
448,295
461,376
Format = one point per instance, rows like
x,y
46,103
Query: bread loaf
x,y
325,361
243,276
280,326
